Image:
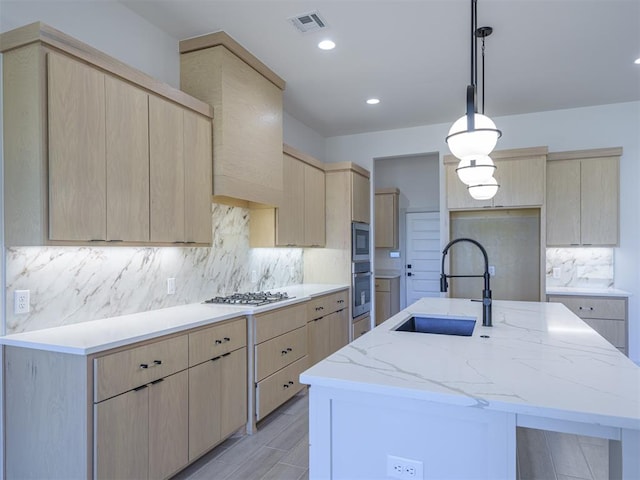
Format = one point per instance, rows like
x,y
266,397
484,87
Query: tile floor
x,y
279,451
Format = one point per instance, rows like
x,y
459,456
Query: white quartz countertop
x,y
540,359
592,292
99,335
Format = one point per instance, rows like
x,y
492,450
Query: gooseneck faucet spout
x,y
486,293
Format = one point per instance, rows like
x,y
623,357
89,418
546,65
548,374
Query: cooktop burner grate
x,y
253,298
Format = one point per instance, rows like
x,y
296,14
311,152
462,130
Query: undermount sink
x,y
441,324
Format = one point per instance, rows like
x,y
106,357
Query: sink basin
x,y
442,325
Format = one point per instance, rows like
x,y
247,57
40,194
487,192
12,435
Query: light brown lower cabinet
x,y
387,298
217,400
328,334
143,433
360,326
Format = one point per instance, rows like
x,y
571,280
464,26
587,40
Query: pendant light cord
x,y
483,75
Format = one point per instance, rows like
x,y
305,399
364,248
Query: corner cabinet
x,y
387,218
300,220
520,174
583,198
85,145
247,99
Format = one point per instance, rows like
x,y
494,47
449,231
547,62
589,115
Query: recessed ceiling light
x,y
326,45
373,101
637,62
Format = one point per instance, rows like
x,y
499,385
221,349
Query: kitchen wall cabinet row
x,y
247,100
141,411
583,197
300,219
520,174
95,151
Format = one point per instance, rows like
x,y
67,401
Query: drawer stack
x,y
280,356
606,315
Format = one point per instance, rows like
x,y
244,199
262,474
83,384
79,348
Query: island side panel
x,y
46,414
351,434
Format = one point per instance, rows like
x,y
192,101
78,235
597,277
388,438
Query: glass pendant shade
x,y
485,190
479,141
474,170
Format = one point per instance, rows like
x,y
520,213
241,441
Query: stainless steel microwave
x,y
360,242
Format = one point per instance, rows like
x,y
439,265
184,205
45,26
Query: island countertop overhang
x,y
539,360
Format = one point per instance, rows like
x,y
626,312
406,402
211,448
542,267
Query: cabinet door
x,y
290,214
314,206
233,391
166,164
127,154
563,202
77,179
383,306
204,406
198,188
521,182
386,213
360,327
168,425
360,207
121,436
599,209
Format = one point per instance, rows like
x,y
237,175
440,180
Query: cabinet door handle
x,y
141,387
143,366
157,381
226,354
216,358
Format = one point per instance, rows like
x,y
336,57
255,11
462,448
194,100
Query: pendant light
x,y
474,136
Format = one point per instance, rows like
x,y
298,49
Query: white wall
x,y
573,129
297,135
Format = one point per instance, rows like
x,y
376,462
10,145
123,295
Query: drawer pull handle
x,y
340,301
218,342
157,381
284,352
226,354
285,386
141,387
227,339
216,358
143,366
289,349
290,382
157,362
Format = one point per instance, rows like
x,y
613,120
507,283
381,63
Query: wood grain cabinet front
x,y
360,326
606,315
280,352
329,325
387,218
96,152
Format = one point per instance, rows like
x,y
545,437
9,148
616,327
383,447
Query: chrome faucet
x,y
486,293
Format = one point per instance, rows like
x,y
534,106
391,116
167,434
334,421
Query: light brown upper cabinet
x,y
386,214
583,198
247,101
360,198
520,174
77,145
300,220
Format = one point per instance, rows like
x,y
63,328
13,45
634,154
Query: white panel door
x,y
423,256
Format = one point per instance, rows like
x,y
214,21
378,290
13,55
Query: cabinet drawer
x,y
276,389
282,320
383,285
128,369
320,306
217,340
279,352
612,330
360,327
594,307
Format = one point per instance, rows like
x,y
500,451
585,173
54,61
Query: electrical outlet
x,y
492,270
404,468
20,302
171,286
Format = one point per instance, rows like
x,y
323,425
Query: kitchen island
x,y
451,404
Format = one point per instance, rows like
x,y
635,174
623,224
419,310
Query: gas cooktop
x,y
254,298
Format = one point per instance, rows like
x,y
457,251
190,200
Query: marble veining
x,y
538,358
580,267
70,284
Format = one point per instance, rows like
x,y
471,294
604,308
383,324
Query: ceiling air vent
x,y
308,22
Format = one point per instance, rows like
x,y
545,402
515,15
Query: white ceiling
x,y
414,55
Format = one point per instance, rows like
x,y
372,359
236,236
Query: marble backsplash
x,y
580,267
70,284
